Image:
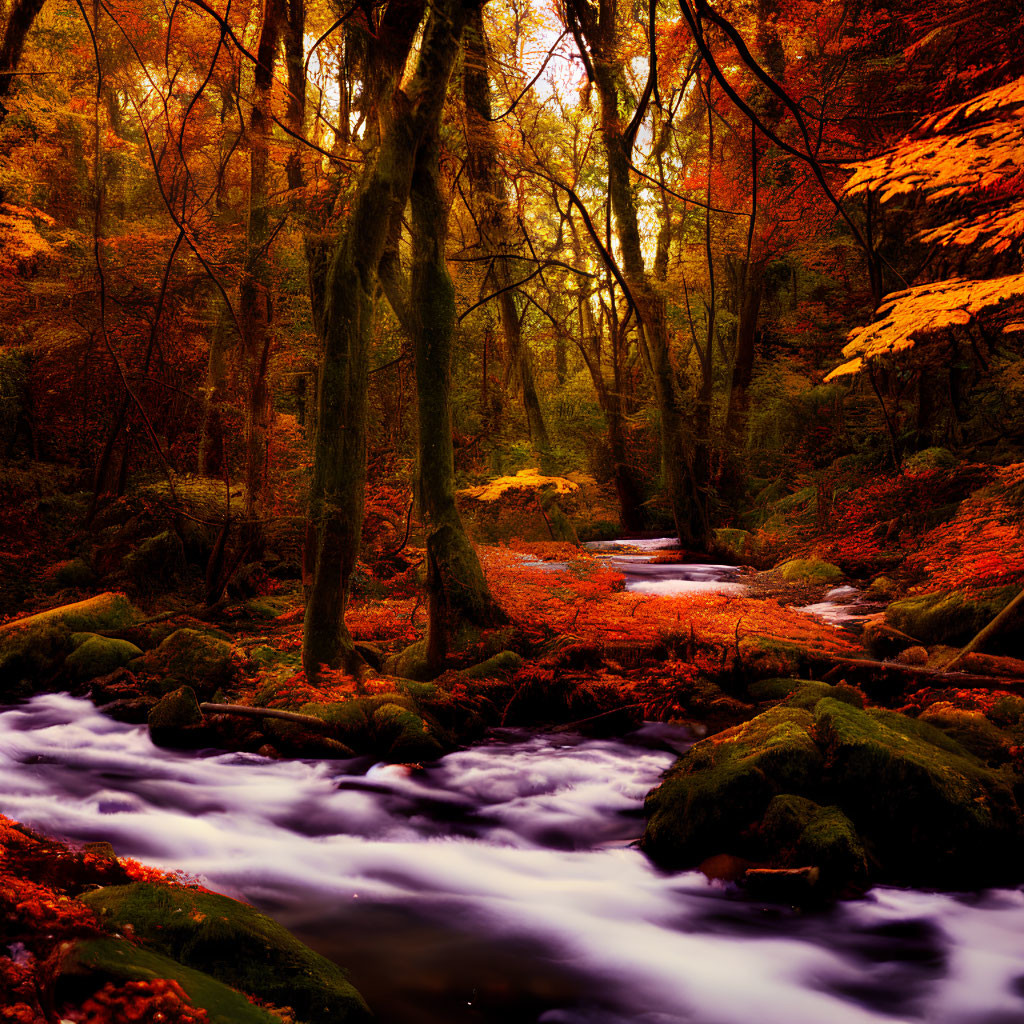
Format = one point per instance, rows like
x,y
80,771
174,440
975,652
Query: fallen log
x,y
910,673
310,721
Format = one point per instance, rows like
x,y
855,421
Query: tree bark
x,y
12,44
455,580
351,284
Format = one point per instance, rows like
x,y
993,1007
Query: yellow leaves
x,y
996,230
20,241
525,479
910,315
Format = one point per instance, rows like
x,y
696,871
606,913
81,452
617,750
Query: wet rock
x,y
724,784
99,656
809,570
955,616
265,960
795,886
803,693
404,734
188,657
294,740
843,788
176,721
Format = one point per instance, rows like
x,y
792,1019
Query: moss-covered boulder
x,y
33,648
98,656
156,562
723,785
862,795
972,730
410,663
235,944
809,570
735,545
931,811
955,616
503,663
177,721
188,657
802,693
71,573
96,961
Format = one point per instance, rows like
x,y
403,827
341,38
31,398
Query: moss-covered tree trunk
x,y
455,580
350,290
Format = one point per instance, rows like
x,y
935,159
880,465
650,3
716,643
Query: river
x,y
501,884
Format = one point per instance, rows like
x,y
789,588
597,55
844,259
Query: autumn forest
x,y
511,512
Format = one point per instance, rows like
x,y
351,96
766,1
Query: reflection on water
x,y
500,884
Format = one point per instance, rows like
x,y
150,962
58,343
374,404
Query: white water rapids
x,y
499,884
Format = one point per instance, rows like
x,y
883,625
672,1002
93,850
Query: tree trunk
x,y
12,44
350,289
455,580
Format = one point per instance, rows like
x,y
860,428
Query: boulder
x,y
954,617
118,961
411,663
503,663
73,573
98,656
802,693
883,642
724,784
932,812
33,648
176,721
809,570
235,944
188,657
862,795
156,561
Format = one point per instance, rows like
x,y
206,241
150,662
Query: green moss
x,y
269,607
802,693
405,734
973,731
599,529
99,656
33,648
188,657
809,570
118,960
502,664
411,663
933,810
235,944
75,572
156,561
735,544
830,842
950,617
722,786
175,720
929,458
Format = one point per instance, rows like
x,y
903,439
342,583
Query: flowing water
x,y
499,884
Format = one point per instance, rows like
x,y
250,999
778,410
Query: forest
x,y
511,512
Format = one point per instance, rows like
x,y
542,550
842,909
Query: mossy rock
x,y
404,733
723,785
504,663
809,570
411,663
33,648
177,721
932,811
802,693
72,573
293,739
156,562
882,586
802,832
972,730
120,961
736,545
269,607
235,944
928,459
188,657
954,617
267,657
99,656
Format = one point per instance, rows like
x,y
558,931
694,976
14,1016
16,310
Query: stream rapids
x,y
502,884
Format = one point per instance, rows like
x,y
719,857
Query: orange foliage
x,y
160,1001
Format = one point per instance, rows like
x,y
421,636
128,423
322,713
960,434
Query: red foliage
x,y
160,1001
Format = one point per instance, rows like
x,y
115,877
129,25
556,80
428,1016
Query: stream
x,y
501,883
